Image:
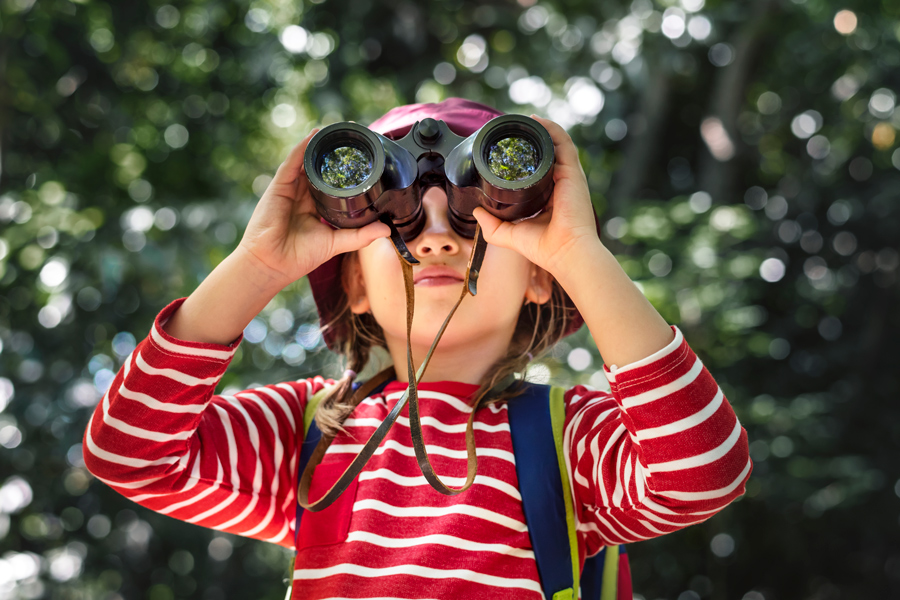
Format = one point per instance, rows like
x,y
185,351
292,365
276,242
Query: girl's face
x,y
374,283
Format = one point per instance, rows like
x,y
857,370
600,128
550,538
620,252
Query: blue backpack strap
x,y
543,499
310,441
540,484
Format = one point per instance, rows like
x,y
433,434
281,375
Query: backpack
x,y
536,426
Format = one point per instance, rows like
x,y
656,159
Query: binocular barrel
x,y
357,175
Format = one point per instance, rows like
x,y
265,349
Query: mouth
x,y
437,276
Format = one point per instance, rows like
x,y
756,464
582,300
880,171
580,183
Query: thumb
x,y
289,170
495,231
350,239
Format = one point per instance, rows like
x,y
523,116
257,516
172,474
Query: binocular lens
x,y
512,158
346,167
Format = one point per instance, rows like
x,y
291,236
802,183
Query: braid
x,y
363,334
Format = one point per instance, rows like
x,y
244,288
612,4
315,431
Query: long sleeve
x,y
662,451
163,439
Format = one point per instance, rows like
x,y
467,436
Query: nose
x,y
438,236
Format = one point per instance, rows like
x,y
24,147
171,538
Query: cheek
x,y
504,276
381,272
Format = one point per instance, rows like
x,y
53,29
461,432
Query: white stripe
x,y
151,402
439,539
599,460
191,482
232,459
124,460
572,427
419,481
257,478
582,412
419,571
219,507
220,473
588,527
133,485
622,525
431,422
163,343
652,505
685,423
280,535
140,498
629,470
253,431
593,429
174,374
288,388
700,459
441,511
580,446
668,349
429,448
277,460
651,527
618,492
154,404
620,539
640,480
660,520
581,480
431,395
138,432
665,390
282,403
711,493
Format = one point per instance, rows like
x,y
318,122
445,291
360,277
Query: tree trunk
x,y
717,177
642,147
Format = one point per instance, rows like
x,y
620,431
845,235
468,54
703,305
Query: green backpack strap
x,y
611,563
609,587
309,413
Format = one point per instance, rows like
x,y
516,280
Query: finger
x,y
350,239
563,146
495,231
290,168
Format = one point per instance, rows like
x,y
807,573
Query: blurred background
x,y
743,156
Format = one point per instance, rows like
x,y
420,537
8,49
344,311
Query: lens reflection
x,y
346,167
512,159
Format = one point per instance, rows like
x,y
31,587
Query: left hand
x,y
567,223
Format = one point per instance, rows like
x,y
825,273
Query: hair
x,y
538,329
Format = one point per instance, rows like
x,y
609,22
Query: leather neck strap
x,y
411,394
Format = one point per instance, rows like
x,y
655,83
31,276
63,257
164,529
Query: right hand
x,y
285,236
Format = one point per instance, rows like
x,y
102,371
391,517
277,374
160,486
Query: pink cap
x,y
463,117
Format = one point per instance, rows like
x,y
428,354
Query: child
x,y
663,451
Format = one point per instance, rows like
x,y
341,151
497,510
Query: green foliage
x,y
743,156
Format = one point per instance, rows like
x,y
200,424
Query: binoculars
x,y
358,176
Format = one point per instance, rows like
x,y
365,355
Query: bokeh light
x,y
845,22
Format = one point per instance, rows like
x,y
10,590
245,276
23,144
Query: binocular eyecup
x,y
358,176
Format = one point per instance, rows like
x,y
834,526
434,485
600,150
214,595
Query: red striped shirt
x,y
661,451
